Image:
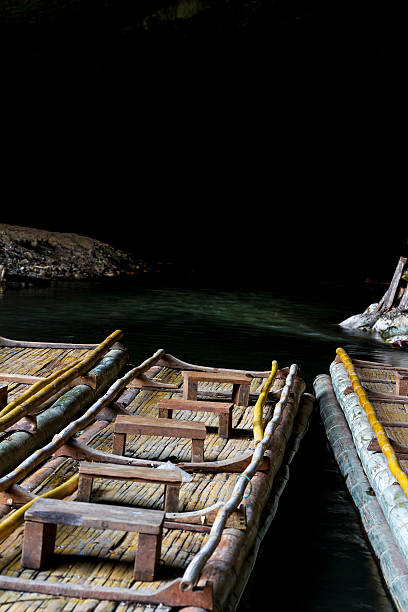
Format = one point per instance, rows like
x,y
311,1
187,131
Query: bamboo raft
x,y
162,478
364,409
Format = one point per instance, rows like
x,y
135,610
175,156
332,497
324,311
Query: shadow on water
x,y
315,556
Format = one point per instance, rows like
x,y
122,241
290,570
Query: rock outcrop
x,y
27,253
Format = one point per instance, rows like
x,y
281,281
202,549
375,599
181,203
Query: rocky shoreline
x,y
388,318
41,255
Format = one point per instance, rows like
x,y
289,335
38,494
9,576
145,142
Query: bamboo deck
x,y
105,558
34,362
366,422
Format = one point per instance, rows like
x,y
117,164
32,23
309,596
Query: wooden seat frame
x,y
240,384
136,425
44,515
223,409
170,478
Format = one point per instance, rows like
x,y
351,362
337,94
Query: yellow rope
x,y
11,522
378,429
258,408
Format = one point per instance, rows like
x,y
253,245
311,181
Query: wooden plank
x,y
221,377
147,557
130,472
137,425
97,516
39,535
240,385
195,406
224,411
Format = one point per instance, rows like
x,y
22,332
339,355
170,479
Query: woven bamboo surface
x,y
377,379
106,558
34,362
386,410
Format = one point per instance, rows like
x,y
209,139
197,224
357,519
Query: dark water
x,y
315,556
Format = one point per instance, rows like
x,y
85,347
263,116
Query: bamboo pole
x,y
193,570
258,409
390,495
269,509
35,388
228,559
373,518
377,427
14,411
70,430
19,443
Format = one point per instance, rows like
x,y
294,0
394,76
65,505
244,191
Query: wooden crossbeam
x,y
79,451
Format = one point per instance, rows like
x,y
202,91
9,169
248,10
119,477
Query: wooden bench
x,y
136,425
240,384
42,518
223,409
171,479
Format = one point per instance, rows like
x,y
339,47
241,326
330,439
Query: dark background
x,y
258,132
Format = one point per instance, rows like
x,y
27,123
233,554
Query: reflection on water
x,y
315,541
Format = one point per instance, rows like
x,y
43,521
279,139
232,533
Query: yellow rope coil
x,y
11,522
258,408
378,429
